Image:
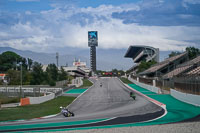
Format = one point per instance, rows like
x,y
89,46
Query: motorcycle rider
x,y
66,112
132,95
100,84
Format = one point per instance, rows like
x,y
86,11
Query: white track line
x,y
81,94
150,99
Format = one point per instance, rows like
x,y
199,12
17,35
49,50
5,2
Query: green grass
x,y
34,111
125,80
86,84
5,99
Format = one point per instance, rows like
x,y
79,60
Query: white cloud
x,y
27,0
107,10
192,1
186,2
57,28
28,13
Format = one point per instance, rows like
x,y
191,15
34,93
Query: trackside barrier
x,y
148,87
24,101
185,97
150,99
38,100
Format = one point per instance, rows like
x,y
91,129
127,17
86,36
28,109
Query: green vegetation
x,y
5,99
86,84
174,53
145,65
9,60
50,76
192,52
125,80
32,72
34,111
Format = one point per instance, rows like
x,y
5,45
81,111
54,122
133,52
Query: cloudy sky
x,y
43,25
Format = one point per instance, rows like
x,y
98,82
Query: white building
x,y
78,69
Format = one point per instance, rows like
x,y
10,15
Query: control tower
x,y
92,43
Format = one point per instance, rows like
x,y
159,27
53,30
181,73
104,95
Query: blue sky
x,y
43,25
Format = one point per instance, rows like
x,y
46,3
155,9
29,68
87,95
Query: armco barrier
x,y
38,100
148,87
185,97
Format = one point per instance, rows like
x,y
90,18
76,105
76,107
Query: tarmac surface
x,y
111,101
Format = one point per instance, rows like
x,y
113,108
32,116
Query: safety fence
x,y
17,91
188,84
183,83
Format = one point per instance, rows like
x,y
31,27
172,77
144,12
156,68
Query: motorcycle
x,y
66,112
100,84
132,95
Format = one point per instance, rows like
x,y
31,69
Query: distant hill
x,y
44,58
106,59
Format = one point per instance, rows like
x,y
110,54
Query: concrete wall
x,y
185,97
62,83
38,100
148,87
77,82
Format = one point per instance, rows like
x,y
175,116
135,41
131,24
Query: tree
x,y
174,53
37,74
14,77
62,75
1,82
27,77
24,63
52,71
114,71
52,74
192,52
30,63
145,65
8,60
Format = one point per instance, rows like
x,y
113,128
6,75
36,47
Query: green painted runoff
x,y
75,91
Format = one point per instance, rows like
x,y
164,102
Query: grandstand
x,y
141,53
165,66
190,67
177,72
194,71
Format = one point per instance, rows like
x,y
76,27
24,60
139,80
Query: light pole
x,y
21,79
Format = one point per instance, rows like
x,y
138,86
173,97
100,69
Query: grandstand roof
x,y
163,64
136,52
182,68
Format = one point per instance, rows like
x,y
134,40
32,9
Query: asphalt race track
x,y
109,101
